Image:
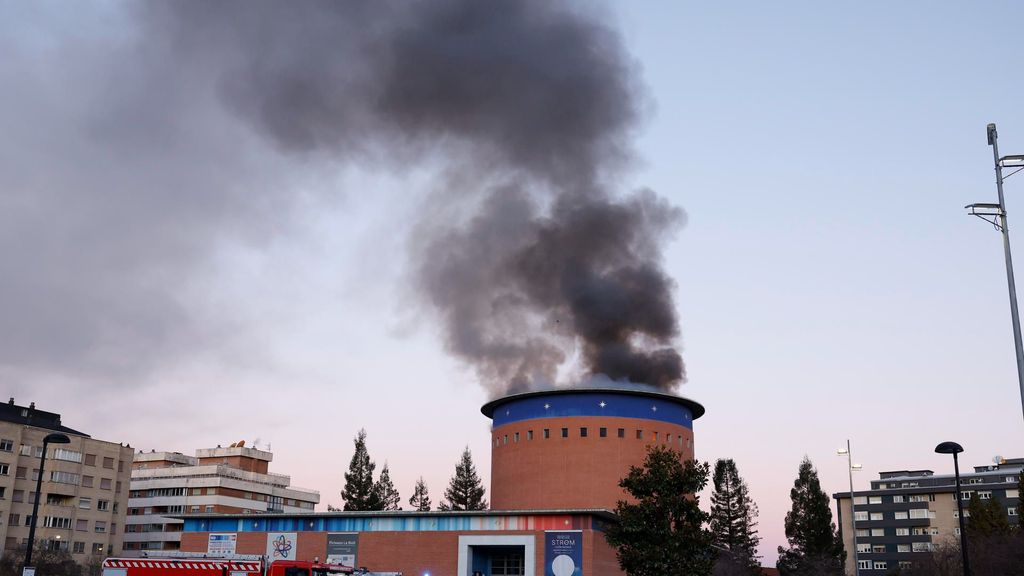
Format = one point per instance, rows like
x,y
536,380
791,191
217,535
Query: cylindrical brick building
x,y
568,448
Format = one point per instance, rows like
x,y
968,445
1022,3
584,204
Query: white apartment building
x,y
232,480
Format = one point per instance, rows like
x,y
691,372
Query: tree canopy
x,y
814,545
465,491
734,516
420,499
662,531
359,492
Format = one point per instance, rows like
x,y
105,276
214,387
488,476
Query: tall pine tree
x,y
814,545
387,497
359,493
734,516
420,500
464,492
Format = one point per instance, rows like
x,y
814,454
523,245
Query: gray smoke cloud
x,y
528,257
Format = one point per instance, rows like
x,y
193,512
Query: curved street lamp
x,y
954,449
54,438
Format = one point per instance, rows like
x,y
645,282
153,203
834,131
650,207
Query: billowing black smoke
x,y
527,256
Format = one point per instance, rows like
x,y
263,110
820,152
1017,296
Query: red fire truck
x,y
217,567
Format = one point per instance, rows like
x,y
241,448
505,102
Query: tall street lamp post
x,y
54,438
995,214
853,511
954,449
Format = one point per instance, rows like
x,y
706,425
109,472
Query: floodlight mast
x,y
998,214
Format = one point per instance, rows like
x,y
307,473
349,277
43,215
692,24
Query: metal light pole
x,y
995,214
954,449
54,438
853,511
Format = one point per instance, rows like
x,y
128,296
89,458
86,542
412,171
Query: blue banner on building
x,y
563,553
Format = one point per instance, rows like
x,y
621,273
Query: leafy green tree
x,y
46,562
420,500
386,494
359,493
814,545
734,516
662,532
465,491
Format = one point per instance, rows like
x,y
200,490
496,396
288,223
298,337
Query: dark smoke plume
x,y
140,143
530,106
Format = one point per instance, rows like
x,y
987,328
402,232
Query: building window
x,y
863,533
5,469
639,434
101,526
903,547
875,516
18,496
861,548
505,439
919,513
583,432
878,531
878,549
864,564
85,503
6,445
880,565
903,531
966,494
1012,480
21,472
516,437
622,432
547,433
655,436
984,494
860,516
78,548
90,459
56,522
194,509
906,564
603,432
860,500
108,462
87,481
66,455
875,500
97,548
13,519
1011,511
900,515
529,434
897,498
921,546
565,432
1014,493
103,505
209,509
104,483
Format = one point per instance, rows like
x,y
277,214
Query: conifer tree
x,y
662,532
359,493
734,516
986,518
420,500
814,545
465,491
387,497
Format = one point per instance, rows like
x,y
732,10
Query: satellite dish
x,y
240,443
997,460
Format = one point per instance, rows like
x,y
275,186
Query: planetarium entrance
x,y
507,561
497,555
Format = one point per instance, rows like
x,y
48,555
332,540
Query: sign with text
x,y
220,544
563,553
281,546
341,548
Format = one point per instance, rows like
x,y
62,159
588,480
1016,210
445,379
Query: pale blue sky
x,y
829,283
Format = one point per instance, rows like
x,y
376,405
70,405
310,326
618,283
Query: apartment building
x,y
232,480
907,512
84,488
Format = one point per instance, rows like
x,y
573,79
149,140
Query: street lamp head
x,y
842,452
57,438
950,447
992,135
856,467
